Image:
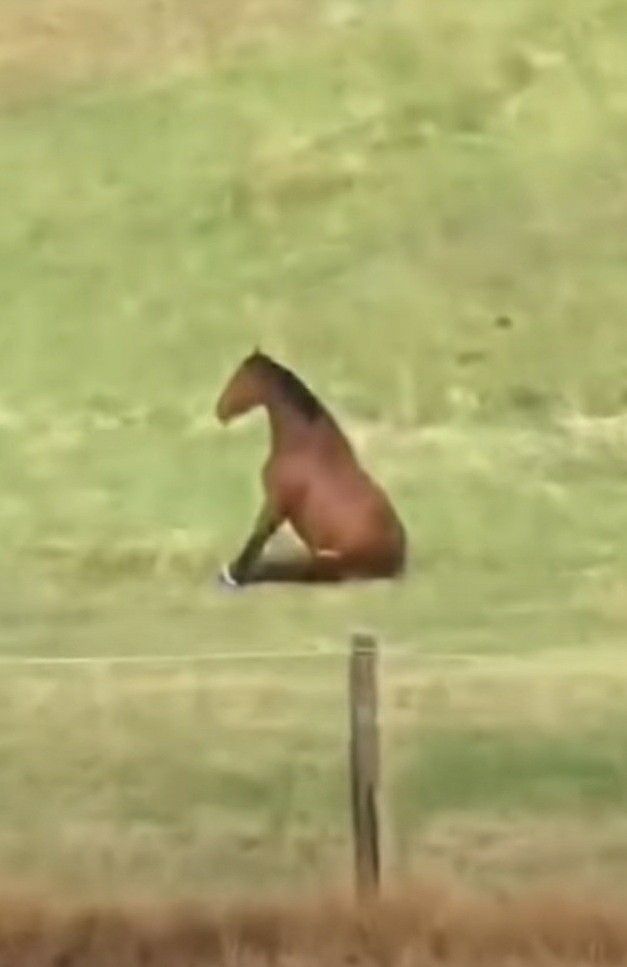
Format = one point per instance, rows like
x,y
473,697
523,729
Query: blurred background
x,y
420,208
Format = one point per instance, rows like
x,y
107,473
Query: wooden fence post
x,y
364,762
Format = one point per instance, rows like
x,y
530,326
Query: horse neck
x,y
290,429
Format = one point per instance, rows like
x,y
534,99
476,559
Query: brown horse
x,y
313,480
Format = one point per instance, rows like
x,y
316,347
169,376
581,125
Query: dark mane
x,y
292,388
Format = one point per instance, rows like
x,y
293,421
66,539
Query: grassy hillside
x,y
420,208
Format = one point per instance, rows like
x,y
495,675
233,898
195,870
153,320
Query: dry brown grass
x,y
419,925
61,43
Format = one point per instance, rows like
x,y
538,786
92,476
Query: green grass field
x,y
367,190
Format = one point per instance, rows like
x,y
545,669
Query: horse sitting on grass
x,y
313,480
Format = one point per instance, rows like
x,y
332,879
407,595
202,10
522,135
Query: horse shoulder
x,y
283,482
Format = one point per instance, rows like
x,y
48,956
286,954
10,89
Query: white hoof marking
x,y
227,577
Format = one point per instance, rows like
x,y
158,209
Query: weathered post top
x,y
363,641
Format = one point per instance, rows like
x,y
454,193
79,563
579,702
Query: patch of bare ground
x,y
55,44
417,925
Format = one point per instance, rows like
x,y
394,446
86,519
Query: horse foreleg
x,y
266,525
322,568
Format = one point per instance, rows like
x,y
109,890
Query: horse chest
x,y
289,470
